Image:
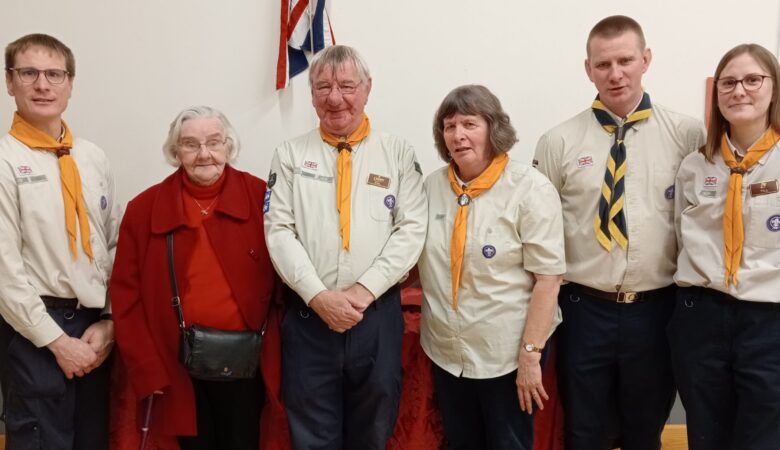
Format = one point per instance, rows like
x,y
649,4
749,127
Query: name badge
x,y
378,181
763,188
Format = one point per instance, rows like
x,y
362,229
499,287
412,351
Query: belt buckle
x,y
628,297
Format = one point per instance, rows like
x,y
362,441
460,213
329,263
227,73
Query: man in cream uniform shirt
x,y
59,222
345,220
614,368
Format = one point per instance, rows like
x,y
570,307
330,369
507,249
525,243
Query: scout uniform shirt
x,y
574,156
514,230
700,199
36,255
388,214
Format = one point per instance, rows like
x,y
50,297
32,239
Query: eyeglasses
x,y
750,83
30,75
324,90
191,146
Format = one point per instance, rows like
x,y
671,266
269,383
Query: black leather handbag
x,y
209,353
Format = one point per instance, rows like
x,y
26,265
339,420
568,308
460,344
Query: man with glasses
x,y
346,219
59,221
614,166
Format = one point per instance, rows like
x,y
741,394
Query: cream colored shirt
x,y
574,155
699,202
36,258
514,231
388,214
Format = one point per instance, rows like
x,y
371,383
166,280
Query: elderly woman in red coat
x,y
225,280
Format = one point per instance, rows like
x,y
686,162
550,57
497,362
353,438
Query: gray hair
x,y
198,112
336,56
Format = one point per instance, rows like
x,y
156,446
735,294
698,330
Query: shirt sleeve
x,y
410,222
681,201
540,225
696,136
288,256
20,304
111,226
547,159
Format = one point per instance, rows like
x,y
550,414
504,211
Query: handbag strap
x,y
175,300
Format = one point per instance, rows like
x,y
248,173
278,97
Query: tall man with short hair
x,y
346,218
614,166
58,222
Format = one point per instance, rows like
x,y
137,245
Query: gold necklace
x,y
204,211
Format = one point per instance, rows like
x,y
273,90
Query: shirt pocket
x,y
382,204
763,229
494,251
663,188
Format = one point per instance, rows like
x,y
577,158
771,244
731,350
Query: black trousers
x,y
43,409
482,414
726,355
614,370
228,415
341,390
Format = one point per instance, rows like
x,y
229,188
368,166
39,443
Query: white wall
x,y
140,62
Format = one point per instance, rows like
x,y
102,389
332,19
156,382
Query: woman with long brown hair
x,y
725,332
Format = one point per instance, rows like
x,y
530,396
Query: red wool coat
x,y
146,327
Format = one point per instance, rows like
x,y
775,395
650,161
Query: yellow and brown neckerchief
x,y
464,195
733,228
72,197
344,176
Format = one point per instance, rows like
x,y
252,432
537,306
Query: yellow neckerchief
x,y
733,229
72,197
483,182
344,177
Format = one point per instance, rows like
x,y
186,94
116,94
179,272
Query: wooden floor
x,y
674,438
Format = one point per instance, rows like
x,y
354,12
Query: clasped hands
x,y
342,310
79,356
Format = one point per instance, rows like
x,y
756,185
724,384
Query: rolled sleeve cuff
x,y
44,333
375,282
308,287
546,269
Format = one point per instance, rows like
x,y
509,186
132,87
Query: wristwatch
x,y
531,348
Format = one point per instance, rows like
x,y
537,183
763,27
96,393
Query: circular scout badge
x,y
464,199
773,223
103,202
271,180
488,251
390,201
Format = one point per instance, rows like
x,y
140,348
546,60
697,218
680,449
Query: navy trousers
x,y
482,414
726,355
43,409
342,390
614,370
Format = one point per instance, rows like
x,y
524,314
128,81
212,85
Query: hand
x,y
100,337
335,310
529,381
74,356
359,297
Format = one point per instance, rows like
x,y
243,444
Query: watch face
x,y
529,347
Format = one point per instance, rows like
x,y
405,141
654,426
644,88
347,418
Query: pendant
x,y
204,212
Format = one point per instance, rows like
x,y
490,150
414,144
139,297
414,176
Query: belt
x,y
60,303
620,297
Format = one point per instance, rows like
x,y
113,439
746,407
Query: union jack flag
x,y
304,30
585,161
710,181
